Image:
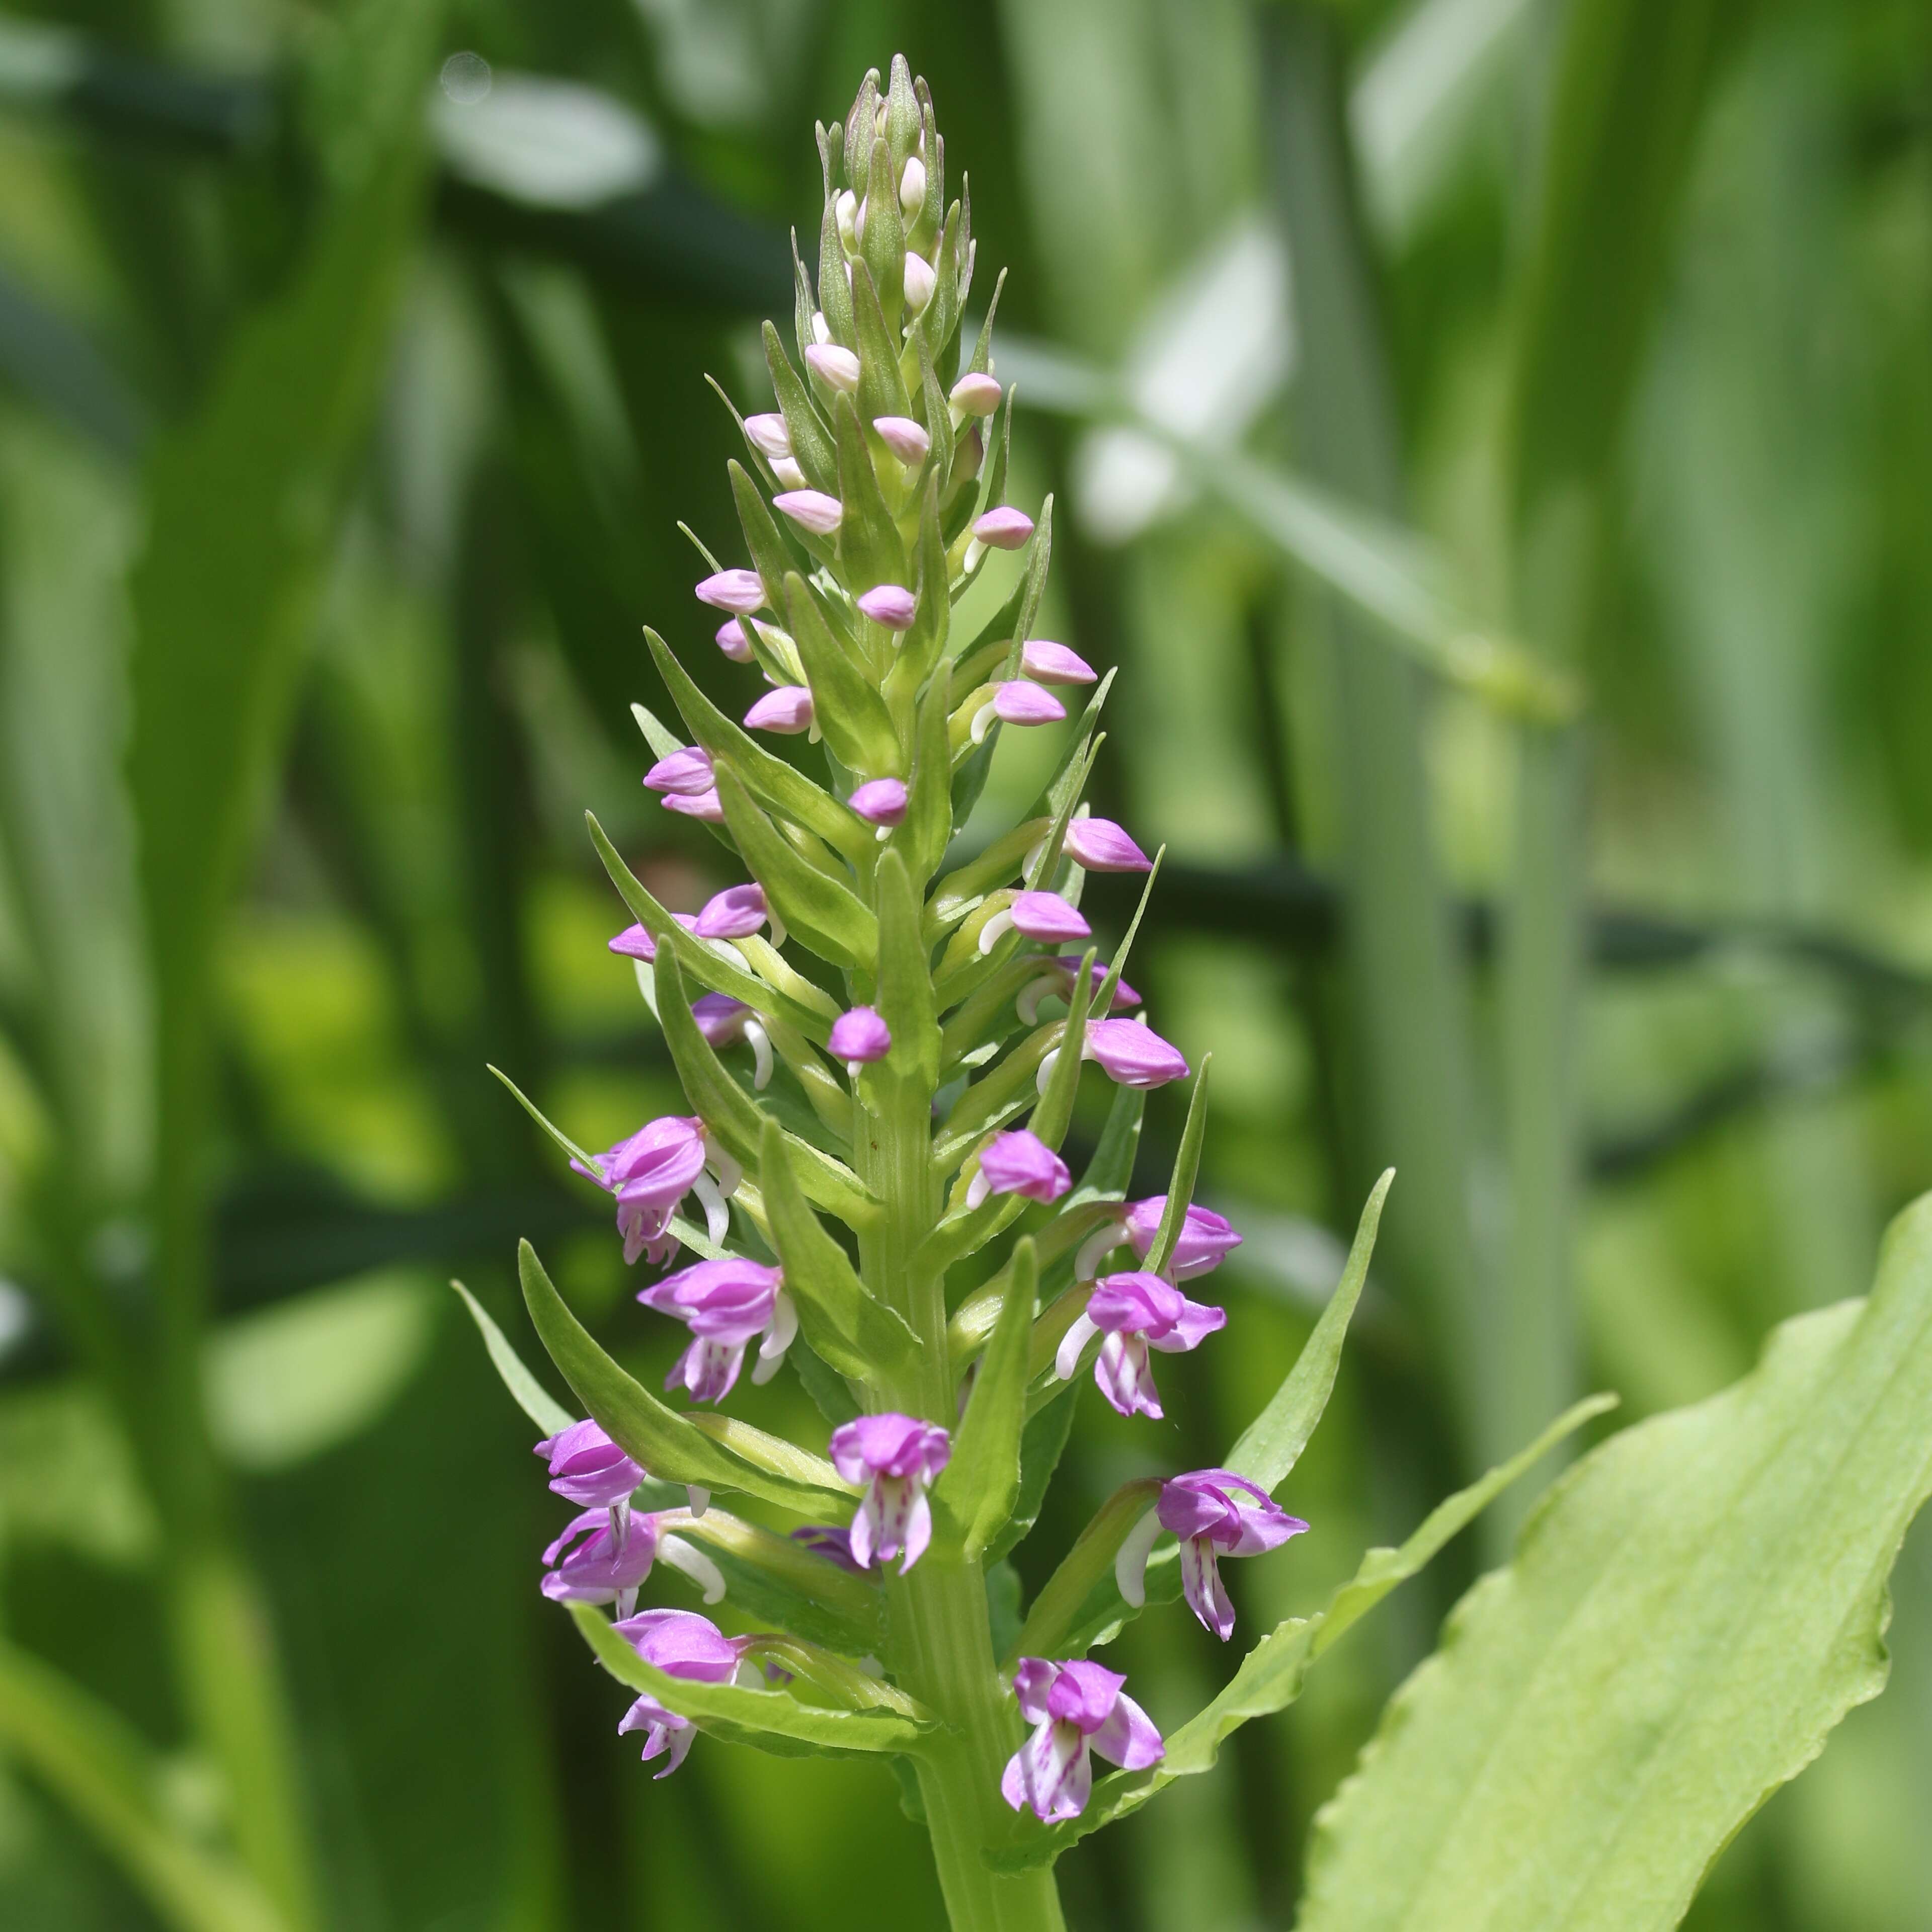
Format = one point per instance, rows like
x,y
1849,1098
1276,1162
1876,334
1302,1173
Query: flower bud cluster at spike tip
x,y
909,911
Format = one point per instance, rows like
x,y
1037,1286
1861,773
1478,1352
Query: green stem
x,y
940,1642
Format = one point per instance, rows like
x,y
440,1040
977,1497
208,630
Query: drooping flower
x,y
736,913
740,591
651,1172
1076,1708
680,1643
601,1557
838,368
1056,981
1048,663
770,435
787,709
725,1021
726,1305
1206,1238
1004,528
880,802
897,1457
1018,700
1101,846
1132,1054
587,1468
859,1037
635,942
1215,1513
1041,916
685,773
1135,1312
976,393
907,439
732,640
1019,1163
891,605
812,510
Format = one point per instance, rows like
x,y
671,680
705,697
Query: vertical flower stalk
x,y
973,999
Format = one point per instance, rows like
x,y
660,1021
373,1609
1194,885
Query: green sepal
x,y
869,549
847,1327
1272,1443
882,390
529,1394
711,970
772,1720
1273,1673
830,917
811,441
928,830
783,788
979,1486
882,247
835,292
1186,1170
849,710
1050,1618
672,1447
774,1580
905,978
730,1113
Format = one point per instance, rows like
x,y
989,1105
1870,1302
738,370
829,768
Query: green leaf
x,y
905,978
849,712
978,1487
1272,1443
773,1720
1041,1445
1103,1000
858,1335
928,826
1050,1619
563,1141
1112,1168
882,389
1688,1614
1272,1674
110,1779
530,1395
731,1113
773,1580
811,440
1186,1168
783,787
672,1447
830,917
868,540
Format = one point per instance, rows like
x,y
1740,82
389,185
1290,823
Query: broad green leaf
x,y
829,917
773,1720
783,787
775,1581
1186,1167
857,1334
111,1780
672,1447
1271,1445
1050,1617
1272,1674
530,1395
978,1487
905,979
1688,1616
849,710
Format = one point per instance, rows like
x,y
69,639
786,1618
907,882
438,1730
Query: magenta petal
x,y
1020,702
1047,916
736,912
880,801
1128,1738
890,604
1003,529
1101,846
1048,663
787,709
859,1034
740,592
635,943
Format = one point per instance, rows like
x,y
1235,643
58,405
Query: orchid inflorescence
x,y
883,1031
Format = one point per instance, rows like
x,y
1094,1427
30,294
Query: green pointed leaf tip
x,y
530,1395
1688,1614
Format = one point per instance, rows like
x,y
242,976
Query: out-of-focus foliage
x,y
1415,380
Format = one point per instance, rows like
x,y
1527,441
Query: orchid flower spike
x,y
1075,1709
891,605
726,1305
740,591
1215,1513
859,1037
680,1643
1019,1163
1135,1312
897,1457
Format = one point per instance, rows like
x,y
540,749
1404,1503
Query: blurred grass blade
x,y
109,1779
530,1395
57,367
1686,1618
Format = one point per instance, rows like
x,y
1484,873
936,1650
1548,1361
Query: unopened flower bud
x,y
1044,916
976,394
836,367
733,641
810,509
688,772
769,435
920,281
1021,1163
705,806
787,709
821,329
880,802
845,210
1054,663
736,912
1003,529
1101,846
859,1037
635,942
1019,701
903,437
1132,1054
891,605
741,592
912,188
788,473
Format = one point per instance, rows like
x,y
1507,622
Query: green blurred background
x,y
1494,439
